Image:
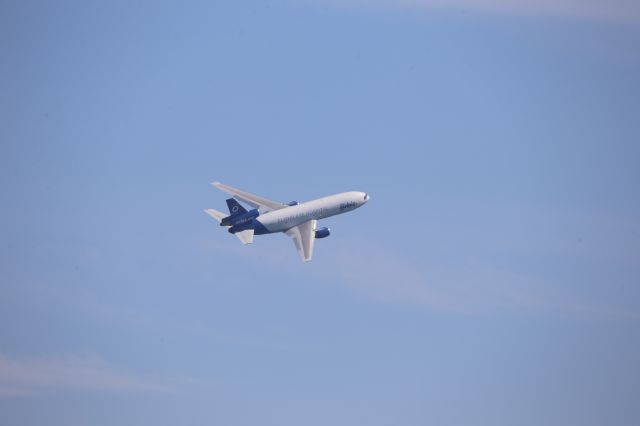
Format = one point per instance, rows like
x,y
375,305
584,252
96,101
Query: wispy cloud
x,y
481,269
27,376
467,287
624,10
385,277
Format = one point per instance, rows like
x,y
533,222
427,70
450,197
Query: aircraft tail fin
x,y
235,207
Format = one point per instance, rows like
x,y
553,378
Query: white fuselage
x,y
284,219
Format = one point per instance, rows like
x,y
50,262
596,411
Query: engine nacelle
x,y
239,219
293,203
322,232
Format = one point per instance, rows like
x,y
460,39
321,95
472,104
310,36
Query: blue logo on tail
x,y
235,207
239,218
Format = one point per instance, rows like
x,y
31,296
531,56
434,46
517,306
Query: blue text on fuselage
x,y
306,215
348,205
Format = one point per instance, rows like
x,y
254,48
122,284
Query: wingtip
x,y
215,183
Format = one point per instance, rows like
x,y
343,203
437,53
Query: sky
x,y
492,279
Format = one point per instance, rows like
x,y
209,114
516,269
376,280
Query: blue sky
x,y
493,278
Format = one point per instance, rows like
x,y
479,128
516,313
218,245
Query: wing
x,y
303,237
251,199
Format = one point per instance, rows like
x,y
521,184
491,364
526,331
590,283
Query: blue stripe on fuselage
x,y
259,228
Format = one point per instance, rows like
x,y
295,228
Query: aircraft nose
x,y
366,197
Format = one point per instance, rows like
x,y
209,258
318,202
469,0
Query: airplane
x,y
297,220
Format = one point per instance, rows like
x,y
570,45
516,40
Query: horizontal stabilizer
x,y
246,237
215,214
